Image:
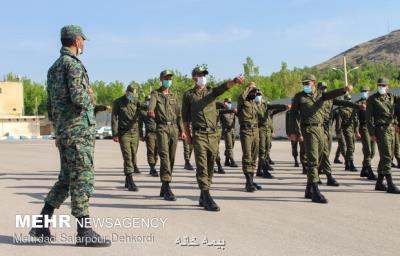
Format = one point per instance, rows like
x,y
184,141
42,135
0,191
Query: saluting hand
x,y
151,114
348,88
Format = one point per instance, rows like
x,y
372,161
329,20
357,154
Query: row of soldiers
x,y
158,121
72,104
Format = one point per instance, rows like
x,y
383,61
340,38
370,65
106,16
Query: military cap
x,y
200,70
227,99
255,91
308,77
166,73
322,85
147,98
347,96
383,80
365,89
72,31
131,89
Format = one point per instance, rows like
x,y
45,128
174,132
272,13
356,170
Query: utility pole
x,y
344,71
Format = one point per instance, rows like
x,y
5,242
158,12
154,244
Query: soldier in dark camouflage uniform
x,y
70,107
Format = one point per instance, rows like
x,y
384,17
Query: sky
x,y
135,40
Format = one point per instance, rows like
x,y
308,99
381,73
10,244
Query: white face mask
x,y
79,52
201,81
382,89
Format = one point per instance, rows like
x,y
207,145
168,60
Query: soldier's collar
x,y
67,51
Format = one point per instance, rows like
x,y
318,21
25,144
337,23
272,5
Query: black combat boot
x,y
307,193
209,203
266,173
43,233
130,183
391,187
352,168
188,165
364,172
233,163
398,163
316,195
337,160
220,169
136,169
270,160
87,237
380,186
227,162
268,166
331,181
255,185
259,170
249,186
304,169
166,192
371,175
296,163
126,181
153,171
201,198
346,165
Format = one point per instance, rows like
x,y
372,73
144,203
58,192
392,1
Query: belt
x,y
148,131
208,129
307,125
243,126
167,123
363,123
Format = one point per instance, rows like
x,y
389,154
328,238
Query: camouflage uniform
x,y
228,120
71,109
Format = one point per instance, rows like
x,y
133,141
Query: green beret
x,y
72,31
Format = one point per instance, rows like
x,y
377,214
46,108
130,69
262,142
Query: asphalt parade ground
x,y
276,220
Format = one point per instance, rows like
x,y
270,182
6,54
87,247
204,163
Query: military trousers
x,y
263,143
368,146
348,134
129,142
167,139
396,146
152,148
229,138
218,157
187,150
325,165
384,140
314,144
76,175
249,138
205,146
341,148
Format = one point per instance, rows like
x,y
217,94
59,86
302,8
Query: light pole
x,y
345,72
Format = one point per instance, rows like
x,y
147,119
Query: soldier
x,y
341,148
294,144
265,127
396,146
349,127
70,106
325,165
368,146
220,107
165,109
228,120
249,113
199,109
126,127
150,137
380,118
187,153
308,106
